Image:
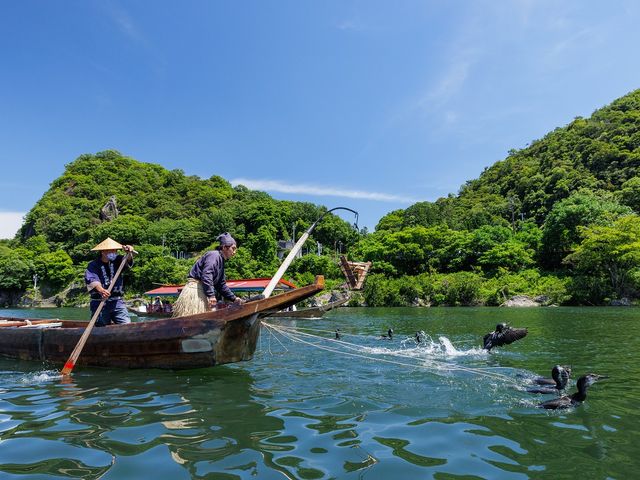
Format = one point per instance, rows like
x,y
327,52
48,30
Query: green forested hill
x,y
600,154
557,220
166,214
533,214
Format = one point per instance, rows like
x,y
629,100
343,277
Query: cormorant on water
x,y
574,399
503,335
388,335
560,376
337,334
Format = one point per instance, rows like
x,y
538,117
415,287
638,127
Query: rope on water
x,y
344,334
295,334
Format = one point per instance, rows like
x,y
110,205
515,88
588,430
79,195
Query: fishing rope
x,y
438,365
295,334
293,338
353,346
278,340
358,335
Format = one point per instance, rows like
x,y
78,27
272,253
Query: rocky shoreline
x,y
74,296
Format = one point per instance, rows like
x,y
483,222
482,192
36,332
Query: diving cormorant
x,y
503,335
560,376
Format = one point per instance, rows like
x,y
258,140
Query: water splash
x,y
40,377
443,347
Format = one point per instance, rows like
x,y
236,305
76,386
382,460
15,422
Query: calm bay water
x,y
313,408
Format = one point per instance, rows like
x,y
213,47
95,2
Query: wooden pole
x,y
71,362
294,251
285,264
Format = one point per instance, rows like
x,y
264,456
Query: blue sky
x,y
366,104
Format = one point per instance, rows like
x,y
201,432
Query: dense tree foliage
x,y
15,270
564,224
611,253
537,209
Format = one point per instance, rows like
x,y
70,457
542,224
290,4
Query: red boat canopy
x,y
242,285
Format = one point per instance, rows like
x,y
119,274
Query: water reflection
x,y
102,419
299,412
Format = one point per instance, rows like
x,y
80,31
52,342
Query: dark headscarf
x,y
225,239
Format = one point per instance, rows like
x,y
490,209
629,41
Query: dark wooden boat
x,y
213,338
310,312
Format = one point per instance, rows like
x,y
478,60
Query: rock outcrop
x,y
520,301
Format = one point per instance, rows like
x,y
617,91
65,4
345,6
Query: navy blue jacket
x,y
97,271
209,269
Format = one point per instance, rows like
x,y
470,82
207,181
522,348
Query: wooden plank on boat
x,y
310,312
43,325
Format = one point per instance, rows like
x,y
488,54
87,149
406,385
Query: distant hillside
x,y
557,220
157,206
169,217
600,154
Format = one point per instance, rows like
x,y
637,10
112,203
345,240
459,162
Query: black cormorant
x,y
388,335
503,335
560,376
574,399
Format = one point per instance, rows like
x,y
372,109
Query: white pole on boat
x,y
296,248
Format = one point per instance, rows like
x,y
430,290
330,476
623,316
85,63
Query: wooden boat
x,y
310,312
221,336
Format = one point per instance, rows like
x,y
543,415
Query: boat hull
x,y
213,338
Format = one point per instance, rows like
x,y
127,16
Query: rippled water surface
x,y
310,406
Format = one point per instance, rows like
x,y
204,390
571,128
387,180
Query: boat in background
x,y
224,335
163,308
309,312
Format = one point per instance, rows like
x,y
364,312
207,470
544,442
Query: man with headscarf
x,y
98,277
207,278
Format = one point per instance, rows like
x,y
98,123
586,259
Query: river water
x,y
312,407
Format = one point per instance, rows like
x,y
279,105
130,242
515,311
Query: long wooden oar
x,y
71,362
296,248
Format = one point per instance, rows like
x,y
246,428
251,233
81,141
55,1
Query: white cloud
x,y
322,191
448,85
10,222
123,21
352,25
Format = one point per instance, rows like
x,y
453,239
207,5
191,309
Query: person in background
x,y
98,277
207,278
167,307
157,305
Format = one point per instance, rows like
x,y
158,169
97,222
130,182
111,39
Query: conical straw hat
x,y
107,244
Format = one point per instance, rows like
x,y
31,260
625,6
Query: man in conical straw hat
x,y
99,275
205,279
